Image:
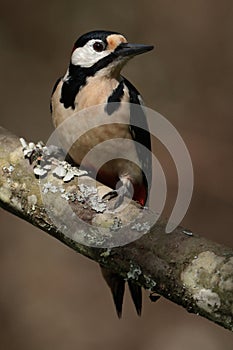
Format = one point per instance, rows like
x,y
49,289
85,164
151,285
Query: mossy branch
x,y
181,266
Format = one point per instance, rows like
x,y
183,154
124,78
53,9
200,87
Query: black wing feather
x,y
140,134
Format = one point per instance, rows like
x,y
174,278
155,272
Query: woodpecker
x,y
94,78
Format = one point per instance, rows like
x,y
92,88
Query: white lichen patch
x,y
226,277
94,238
140,227
134,272
8,169
32,200
203,267
207,300
49,187
89,194
68,176
150,283
117,224
49,158
59,171
202,278
38,171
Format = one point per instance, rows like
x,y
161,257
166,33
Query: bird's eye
x,y
98,46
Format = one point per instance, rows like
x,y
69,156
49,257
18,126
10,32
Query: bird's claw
x,y
110,195
120,193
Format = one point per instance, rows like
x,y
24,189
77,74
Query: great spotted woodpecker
x,y
93,78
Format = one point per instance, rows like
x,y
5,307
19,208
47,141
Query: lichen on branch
x,y
181,266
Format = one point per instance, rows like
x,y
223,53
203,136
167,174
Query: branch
x,y
181,266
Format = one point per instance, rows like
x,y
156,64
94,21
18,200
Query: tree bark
x,y
181,266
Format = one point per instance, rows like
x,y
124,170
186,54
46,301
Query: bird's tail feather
x,y
117,286
136,294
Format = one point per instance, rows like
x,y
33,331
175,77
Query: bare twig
x,y
181,266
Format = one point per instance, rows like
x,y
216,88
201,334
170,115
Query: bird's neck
x,y
80,74
77,78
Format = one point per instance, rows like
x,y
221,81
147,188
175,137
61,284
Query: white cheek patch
x,y
86,56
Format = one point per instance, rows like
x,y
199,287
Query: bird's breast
x,y
85,132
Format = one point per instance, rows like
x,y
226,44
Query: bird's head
x,y
104,51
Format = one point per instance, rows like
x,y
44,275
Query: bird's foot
x,y
125,190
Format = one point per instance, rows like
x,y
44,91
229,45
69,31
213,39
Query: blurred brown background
x,y
50,297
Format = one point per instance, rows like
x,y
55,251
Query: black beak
x,y
126,49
